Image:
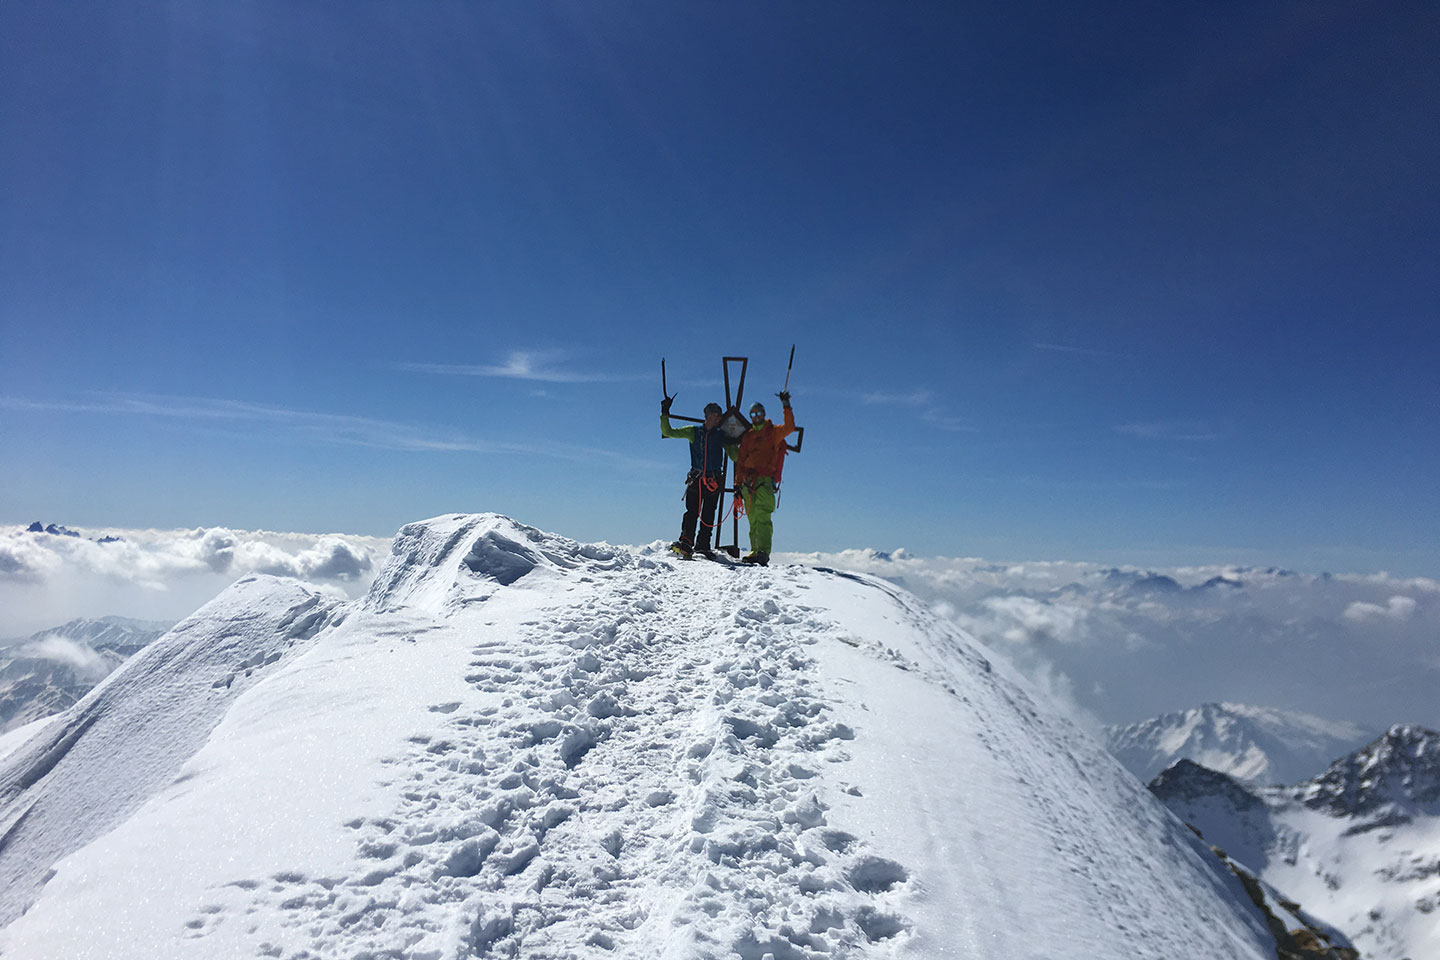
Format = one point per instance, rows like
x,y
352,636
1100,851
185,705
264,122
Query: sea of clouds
x,y
47,579
1114,645
1118,645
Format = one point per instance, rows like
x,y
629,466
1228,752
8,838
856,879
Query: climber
x,y
759,459
703,482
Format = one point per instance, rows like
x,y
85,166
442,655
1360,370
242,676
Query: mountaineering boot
x,y
759,558
682,550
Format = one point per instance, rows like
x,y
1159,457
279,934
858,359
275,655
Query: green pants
x,y
759,500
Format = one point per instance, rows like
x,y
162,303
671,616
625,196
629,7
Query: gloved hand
x,y
784,396
665,405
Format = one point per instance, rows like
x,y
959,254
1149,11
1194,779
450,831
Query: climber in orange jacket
x,y
759,459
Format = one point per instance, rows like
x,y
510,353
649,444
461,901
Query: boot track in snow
x,y
638,793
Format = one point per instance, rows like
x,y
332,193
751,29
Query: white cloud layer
x,y
1120,645
154,558
46,580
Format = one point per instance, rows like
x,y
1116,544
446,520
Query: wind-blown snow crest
x,y
521,746
464,558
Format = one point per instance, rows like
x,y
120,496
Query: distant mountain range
x,y
1257,745
45,673
1359,844
55,530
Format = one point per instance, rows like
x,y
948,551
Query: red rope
x,y
737,506
711,484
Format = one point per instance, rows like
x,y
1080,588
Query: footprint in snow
x,y
874,874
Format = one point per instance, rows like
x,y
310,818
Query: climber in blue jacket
x,y
704,481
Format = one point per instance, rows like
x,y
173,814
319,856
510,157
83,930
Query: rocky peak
x,y
1401,768
52,529
1187,780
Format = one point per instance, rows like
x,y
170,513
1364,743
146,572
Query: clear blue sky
x,y
1128,282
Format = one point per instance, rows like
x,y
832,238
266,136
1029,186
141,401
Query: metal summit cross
x,y
733,425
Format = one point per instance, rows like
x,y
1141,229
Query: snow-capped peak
x,y
1254,744
1356,845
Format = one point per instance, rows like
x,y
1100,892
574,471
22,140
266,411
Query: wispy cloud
x,y
941,420
328,427
915,398
79,657
541,366
1082,351
923,401
1169,430
323,427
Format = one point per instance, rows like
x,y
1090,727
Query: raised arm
x,y
677,433
789,426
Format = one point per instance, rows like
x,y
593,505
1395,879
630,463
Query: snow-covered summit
x,y
453,560
1255,744
521,746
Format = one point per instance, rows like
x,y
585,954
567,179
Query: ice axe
x,y
787,371
664,387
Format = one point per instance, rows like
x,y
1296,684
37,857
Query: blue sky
x,y
1115,282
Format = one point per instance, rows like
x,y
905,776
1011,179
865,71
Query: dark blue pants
x,y
702,494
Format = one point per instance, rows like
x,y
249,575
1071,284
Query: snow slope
x,y
1358,845
86,770
521,746
1254,744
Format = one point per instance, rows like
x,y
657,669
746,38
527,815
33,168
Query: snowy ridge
x,y
429,560
93,766
520,746
1255,744
1358,845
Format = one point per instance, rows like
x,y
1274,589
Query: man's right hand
x,y
665,405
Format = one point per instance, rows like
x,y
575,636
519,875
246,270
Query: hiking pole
x,y
664,388
787,370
